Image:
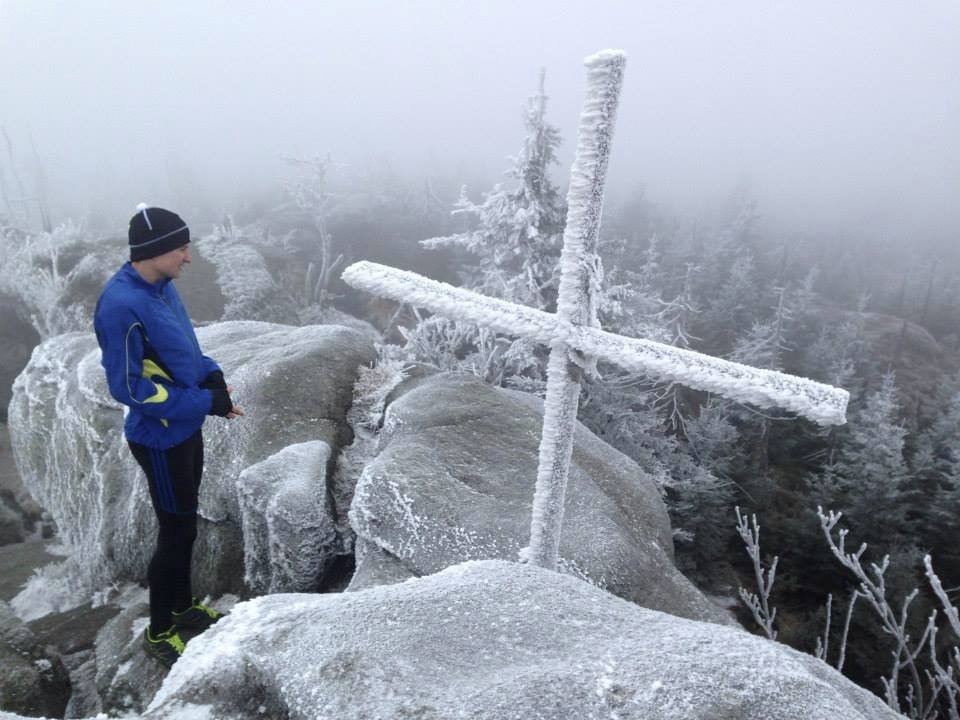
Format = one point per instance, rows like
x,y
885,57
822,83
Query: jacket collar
x,y
131,272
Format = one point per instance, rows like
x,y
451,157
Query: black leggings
x,y
174,480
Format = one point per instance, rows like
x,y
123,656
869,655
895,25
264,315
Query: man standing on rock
x,y
155,367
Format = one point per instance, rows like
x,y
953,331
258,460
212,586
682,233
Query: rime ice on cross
x,y
573,333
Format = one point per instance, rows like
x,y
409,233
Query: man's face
x,y
171,263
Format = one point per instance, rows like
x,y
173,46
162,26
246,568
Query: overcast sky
x,y
839,114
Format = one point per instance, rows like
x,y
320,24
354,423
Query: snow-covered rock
x,y
126,678
33,680
493,640
289,523
294,383
454,481
250,291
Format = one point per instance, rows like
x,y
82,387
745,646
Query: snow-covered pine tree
x,y
513,250
935,464
871,469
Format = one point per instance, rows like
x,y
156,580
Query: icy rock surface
x,y
454,481
294,383
289,524
493,640
33,680
247,285
126,678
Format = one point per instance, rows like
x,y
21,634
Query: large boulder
x,y
454,481
289,519
51,282
493,640
295,384
34,680
73,633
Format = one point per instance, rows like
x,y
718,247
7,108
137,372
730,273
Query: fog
x,y
838,116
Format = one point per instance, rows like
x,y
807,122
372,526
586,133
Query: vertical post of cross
x,y
576,304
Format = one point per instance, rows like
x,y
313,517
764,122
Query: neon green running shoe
x,y
196,617
167,647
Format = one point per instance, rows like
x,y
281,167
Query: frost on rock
x,y
67,440
66,434
289,529
493,640
453,481
249,288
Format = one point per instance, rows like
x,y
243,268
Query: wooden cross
x,y
573,333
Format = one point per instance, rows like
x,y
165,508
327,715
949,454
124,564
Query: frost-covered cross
x,y
573,333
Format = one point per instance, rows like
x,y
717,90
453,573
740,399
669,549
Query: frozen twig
x,y
759,602
846,630
823,644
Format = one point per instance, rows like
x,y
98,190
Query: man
x,y
155,367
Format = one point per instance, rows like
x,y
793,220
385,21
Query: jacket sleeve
x,y
140,384
209,368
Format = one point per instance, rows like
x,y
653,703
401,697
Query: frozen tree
x,y
516,239
512,252
765,343
871,469
309,193
838,353
676,318
732,309
935,466
937,456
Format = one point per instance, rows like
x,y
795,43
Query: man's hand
x,y
235,410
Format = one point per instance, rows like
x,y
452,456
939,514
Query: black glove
x,y
214,381
222,404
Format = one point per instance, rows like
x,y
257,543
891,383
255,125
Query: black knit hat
x,y
155,231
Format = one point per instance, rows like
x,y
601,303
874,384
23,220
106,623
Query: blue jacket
x,y
152,359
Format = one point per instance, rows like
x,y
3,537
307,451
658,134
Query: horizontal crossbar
x,y
823,404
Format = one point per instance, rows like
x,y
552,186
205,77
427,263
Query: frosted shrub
x,y
32,270
464,347
244,277
924,672
309,193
